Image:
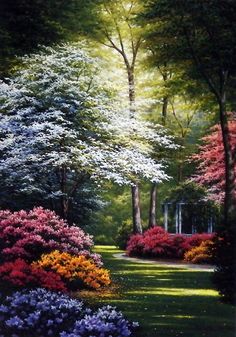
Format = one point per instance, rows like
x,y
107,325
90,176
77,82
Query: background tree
x,y
199,36
60,129
211,169
115,28
48,110
183,114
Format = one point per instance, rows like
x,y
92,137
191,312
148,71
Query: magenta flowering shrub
x,y
28,235
156,242
177,245
135,245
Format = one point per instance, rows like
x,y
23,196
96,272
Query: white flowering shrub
x,y
60,126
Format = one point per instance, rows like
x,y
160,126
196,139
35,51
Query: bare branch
x,y
177,120
136,48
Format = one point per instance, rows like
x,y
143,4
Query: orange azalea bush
x,y
200,254
77,270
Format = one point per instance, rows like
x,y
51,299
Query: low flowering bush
x,y
28,235
105,322
77,271
41,313
20,274
195,240
135,245
96,258
41,253
177,245
38,313
156,242
200,254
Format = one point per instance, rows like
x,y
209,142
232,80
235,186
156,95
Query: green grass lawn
x,y
167,302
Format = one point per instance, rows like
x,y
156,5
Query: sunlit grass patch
x,y
177,292
168,302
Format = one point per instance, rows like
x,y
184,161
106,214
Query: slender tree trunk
x,y
180,172
164,110
229,201
130,72
152,208
137,223
153,192
64,199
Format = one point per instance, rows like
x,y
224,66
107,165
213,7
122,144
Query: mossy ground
x,y
167,302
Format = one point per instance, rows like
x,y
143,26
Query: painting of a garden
x,y
117,168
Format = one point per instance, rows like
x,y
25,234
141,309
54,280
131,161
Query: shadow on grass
x,y
167,302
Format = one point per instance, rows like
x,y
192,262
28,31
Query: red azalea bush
x,y
177,245
156,242
135,245
28,235
20,274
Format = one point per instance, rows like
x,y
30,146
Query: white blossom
x,y
57,115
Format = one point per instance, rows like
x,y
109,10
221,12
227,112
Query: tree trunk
x,y
164,110
137,225
180,172
229,201
152,208
130,72
64,207
64,198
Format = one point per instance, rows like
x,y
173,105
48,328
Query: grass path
x,y
167,263
167,302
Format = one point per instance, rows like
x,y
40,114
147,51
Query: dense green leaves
x,y
199,36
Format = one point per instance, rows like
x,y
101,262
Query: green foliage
x,y
123,234
187,191
116,209
103,239
198,36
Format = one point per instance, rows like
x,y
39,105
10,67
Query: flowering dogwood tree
x,y
59,127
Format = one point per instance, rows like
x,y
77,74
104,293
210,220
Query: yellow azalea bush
x,y
77,270
200,254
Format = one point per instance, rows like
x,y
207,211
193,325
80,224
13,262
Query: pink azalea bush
x,y
156,242
28,235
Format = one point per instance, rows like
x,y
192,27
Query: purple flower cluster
x,y
41,313
105,322
38,313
